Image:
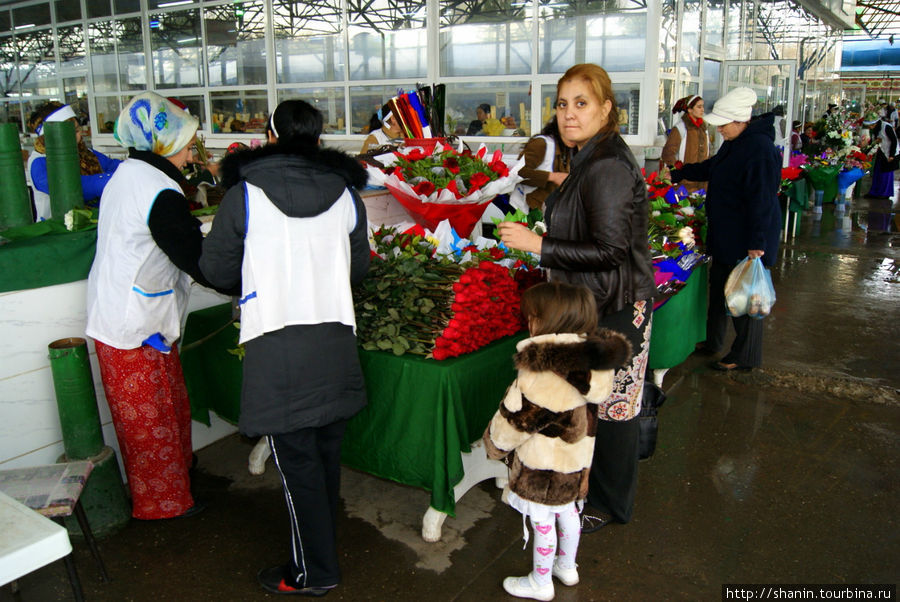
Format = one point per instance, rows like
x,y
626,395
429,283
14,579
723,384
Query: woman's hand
x,y
517,236
754,253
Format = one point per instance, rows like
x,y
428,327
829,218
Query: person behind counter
x,y
688,141
597,236
547,161
292,229
482,114
96,168
383,129
148,246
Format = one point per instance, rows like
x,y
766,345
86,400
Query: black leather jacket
x,y
597,226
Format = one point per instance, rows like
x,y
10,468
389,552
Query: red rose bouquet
x,y
446,184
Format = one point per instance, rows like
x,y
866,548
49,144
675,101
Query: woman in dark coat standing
x,y
292,230
743,216
597,237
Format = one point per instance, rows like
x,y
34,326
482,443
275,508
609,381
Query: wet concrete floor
x,y
785,475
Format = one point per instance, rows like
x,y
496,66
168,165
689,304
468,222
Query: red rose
x,y
415,154
497,253
440,354
398,171
478,180
451,165
424,188
499,168
452,188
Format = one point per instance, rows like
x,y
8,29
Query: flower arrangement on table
x,y
446,184
437,295
676,231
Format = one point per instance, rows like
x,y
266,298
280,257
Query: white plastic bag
x,y
749,290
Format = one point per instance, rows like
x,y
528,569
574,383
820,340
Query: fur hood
x,y
301,180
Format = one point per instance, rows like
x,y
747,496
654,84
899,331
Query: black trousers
x,y
612,483
309,461
747,347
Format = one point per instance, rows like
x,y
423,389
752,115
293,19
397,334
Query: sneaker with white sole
x,y
525,587
566,576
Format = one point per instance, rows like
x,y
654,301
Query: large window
x,y
387,39
177,49
486,38
236,43
309,46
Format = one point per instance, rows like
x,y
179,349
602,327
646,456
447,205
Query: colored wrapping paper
x,y
15,202
417,106
463,217
63,167
438,105
825,179
847,177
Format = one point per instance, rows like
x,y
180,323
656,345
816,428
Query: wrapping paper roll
x,y
75,396
63,167
15,202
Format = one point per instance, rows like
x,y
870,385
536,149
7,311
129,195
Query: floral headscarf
x,y
150,122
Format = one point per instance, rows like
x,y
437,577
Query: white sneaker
x,y
566,576
525,587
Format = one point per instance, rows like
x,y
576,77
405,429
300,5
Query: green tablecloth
x,y
681,323
46,260
824,179
421,413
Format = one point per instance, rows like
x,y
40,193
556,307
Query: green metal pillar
x,y
63,167
104,498
15,202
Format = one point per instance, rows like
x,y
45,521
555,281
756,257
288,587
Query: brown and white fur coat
x,y
545,427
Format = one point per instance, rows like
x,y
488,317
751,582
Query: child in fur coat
x,y
544,429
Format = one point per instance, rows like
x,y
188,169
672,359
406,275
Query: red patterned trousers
x,y
152,416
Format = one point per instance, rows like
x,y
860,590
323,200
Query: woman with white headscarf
x,y
96,168
148,248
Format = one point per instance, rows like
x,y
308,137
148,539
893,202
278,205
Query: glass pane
x,y
610,33
71,50
67,10
37,63
508,100
308,41
31,16
177,49
486,38
364,101
328,100
628,99
668,30
197,107
102,38
75,94
714,24
239,111
236,44
131,57
11,112
98,8
387,39
733,32
710,82
5,21
127,6
665,103
151,4
108,109
690,38
8,81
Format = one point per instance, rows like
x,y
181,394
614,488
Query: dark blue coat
x,y
742,207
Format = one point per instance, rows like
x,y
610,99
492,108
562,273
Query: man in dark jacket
x,y
292,230
743,216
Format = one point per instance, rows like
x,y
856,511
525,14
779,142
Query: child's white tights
x,y
550,545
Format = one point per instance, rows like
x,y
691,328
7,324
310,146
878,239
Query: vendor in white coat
x,y
96,168
148,248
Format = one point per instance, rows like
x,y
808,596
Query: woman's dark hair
x,y
296,122
41,113
485,107
374,122
558,307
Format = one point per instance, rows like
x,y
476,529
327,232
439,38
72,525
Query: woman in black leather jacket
x,y
597,237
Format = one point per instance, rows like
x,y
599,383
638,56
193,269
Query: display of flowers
x,y
462,174
673,210
436,295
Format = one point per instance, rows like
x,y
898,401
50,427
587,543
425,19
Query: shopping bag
x,y
653,397
749,290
